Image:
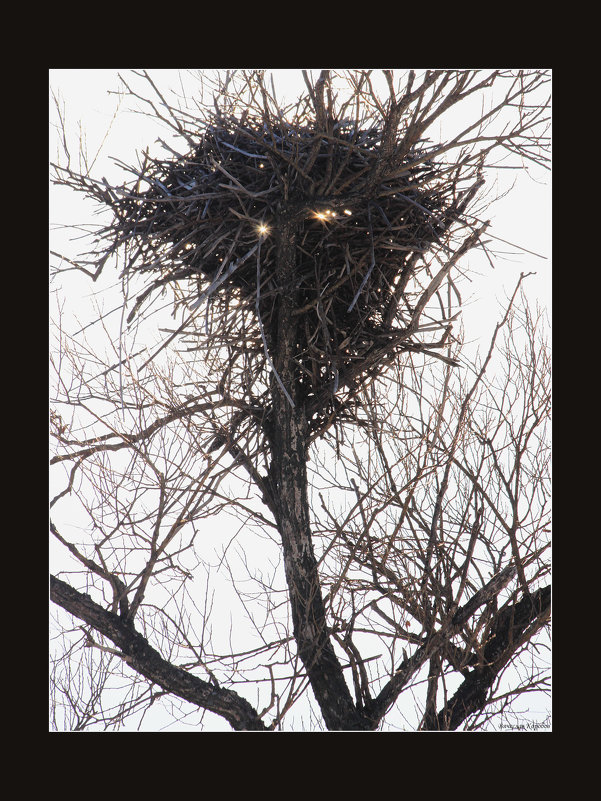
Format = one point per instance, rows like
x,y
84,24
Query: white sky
x,y
523,217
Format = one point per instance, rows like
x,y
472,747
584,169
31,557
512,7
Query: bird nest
x,y
207,223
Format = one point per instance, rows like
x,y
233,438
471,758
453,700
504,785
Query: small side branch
x,y
143,658
437,642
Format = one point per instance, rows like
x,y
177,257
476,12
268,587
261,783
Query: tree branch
x,y
144,659
512,621
436,642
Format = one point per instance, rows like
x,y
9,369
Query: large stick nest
x,y
206,222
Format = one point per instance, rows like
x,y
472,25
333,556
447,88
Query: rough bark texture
x,y
149,663
288,481
506,637
307,236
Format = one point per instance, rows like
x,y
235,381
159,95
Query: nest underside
x,y
207,222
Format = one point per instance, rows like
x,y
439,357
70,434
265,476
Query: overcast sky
x,y
522,218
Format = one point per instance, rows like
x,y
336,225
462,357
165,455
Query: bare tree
x,y
392,495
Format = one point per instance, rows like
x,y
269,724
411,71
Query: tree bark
x,y
511,623
149,663
288,483
472,694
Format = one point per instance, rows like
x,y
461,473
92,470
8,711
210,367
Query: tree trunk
x,y
290,503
